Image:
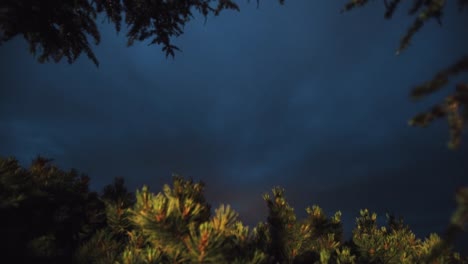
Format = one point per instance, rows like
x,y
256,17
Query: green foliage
x,y
460,216
176,226
51,217
164,234
45,212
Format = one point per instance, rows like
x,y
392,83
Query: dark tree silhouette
x,y
455,106
61,27
46,212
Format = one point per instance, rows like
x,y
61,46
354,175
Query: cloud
x,y
296,95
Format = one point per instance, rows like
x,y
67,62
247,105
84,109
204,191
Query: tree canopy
x,y
60,28
50,216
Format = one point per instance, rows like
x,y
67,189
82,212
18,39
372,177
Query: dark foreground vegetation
x,y
51,216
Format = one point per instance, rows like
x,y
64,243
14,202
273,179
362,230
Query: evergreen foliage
x,y
45,212
51,217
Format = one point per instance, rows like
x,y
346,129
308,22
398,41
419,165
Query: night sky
x,y
298,96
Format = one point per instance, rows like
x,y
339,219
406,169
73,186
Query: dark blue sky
x,y
295,95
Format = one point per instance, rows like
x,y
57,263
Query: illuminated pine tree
x,y
50,216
